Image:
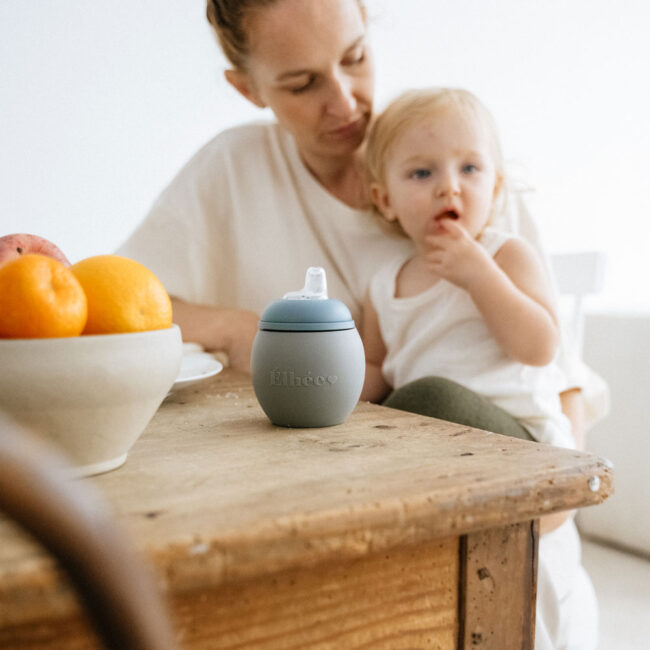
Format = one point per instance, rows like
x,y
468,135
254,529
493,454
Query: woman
x,y
255,207
258,204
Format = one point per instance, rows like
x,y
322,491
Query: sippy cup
x,y
308,362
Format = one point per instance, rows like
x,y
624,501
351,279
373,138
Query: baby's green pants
x,y
445,399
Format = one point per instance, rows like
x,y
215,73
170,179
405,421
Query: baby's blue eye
x,y
469,168
420,173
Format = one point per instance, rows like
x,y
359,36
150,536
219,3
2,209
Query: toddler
x,y
470,304
468,316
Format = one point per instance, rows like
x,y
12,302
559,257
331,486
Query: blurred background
x,y
101,104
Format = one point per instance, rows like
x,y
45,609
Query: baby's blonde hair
x,y
425,104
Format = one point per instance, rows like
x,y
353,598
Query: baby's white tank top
x,y
440,332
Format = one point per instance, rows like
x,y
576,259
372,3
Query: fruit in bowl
x,y
88,352
123,295
39,298
13,246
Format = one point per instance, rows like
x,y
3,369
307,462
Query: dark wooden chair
x,y
74,524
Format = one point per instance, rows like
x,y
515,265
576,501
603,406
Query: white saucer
x,y
195,366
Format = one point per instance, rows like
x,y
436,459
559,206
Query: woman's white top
x,y
441,332
244,219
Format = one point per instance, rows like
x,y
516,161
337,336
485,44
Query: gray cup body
x,y
308,379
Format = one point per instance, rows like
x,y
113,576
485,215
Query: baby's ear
x,y
381,199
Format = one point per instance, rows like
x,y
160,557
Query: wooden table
x,y
390,531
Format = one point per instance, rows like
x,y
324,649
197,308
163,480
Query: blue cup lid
x,y
307,310
306,316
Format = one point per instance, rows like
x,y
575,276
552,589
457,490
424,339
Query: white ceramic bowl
x,y
91,395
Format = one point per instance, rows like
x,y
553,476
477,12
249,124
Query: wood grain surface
x,y
219,499
498,578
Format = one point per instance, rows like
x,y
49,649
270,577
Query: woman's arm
x,y
218,328
573,406
375,387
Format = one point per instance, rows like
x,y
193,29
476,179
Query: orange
x,y
40,298
123,296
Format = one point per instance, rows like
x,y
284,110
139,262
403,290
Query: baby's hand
x,y
454,255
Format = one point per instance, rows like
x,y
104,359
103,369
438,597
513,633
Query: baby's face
x,y
441,168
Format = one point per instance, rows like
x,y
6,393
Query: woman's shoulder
x,y
239,140
240,152
248,133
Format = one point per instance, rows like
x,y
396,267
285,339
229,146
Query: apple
x,y
12,246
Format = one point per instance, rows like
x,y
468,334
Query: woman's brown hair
x,y
228,19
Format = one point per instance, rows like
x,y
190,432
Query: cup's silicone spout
x,y
315,286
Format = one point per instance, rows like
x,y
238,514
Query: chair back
x,y
577,275
73,522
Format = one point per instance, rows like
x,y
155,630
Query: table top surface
x,y
212,492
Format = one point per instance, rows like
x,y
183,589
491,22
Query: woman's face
x,y
310,63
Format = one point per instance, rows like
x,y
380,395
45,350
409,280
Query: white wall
x,y
618,347
100,103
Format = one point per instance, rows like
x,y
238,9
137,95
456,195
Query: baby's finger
x,y
437,226
454,228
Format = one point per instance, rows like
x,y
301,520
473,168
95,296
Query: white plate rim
x,y
208,366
